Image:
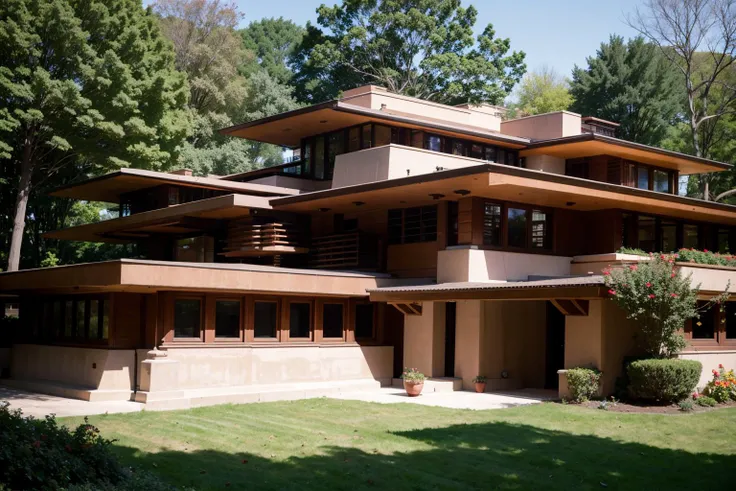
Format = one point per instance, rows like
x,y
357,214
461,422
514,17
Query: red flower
x,y
649,285
720,365
652,295
633,267
705,250
606,272
611,292
673,295
695,395
37,444
672,275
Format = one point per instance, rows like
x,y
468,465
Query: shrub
x,y
705,401
663,380
40,454
723,386
686,405
583,383
479,379
413,376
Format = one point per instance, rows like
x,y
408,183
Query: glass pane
x,y
299,322
187,318
364,321
500,156
730,315
647,234
517,227
319,158
704,327
366,141
332,320
58,319
264,319
434,143
723,235
105,319
690,236
395,226
417,138
510,158
642,179
429,223
307,158
227,319
661,181
81,312
336,142
476,151
669,236
459,147
383,135
540,230
93,331
68,319
412,225
354,139
490,154
492,225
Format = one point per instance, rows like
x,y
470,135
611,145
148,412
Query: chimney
x,y
182,172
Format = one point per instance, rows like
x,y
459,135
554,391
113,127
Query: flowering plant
x,y
412,376
660,299
479,379
723,386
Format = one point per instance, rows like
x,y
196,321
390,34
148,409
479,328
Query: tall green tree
x,y
273,43
84,82
543,91
632,84
422,48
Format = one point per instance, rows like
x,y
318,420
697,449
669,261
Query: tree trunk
x,y
21,204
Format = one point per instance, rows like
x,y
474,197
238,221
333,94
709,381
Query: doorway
x,y
555,346
450,322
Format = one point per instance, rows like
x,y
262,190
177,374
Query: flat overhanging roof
x,y
144,276
109,187
287,129
175,219
506,183
591,144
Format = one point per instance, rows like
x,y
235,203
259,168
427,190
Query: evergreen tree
x,y
273,43
84,82
632,84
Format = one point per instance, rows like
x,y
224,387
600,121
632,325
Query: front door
x,y
450,317
555,358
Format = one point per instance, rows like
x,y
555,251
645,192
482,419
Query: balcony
x,y
353,250
246,238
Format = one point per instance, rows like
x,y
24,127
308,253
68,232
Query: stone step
x,y
438,384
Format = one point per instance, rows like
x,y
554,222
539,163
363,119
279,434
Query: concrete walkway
x,y
454,400
39,405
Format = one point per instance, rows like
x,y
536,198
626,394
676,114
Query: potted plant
x,y
413,381
480,383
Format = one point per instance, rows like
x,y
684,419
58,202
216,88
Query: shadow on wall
x,y
472,456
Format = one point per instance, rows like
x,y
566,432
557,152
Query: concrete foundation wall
x,y
465,264
91,368
710,361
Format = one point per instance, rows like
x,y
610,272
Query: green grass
x,y
331,444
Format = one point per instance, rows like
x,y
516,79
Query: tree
x,y
273,43
89,83
632,84
698,37
543,91
422,48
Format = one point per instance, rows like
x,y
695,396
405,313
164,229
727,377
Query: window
x,y
690,236
299,320
476,151
412,225
669,236
730,324
364,314
80,318
490,154
383,135
458,148
264,319
69,319
704,326
417,138
492,225
227,319
647,234
516,227
366,140
319,157
93,327
453,223
642,177
540,230
335,147
354,139
187,318
433,143
661,181
332,320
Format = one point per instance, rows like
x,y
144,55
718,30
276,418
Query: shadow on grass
x,y
472,456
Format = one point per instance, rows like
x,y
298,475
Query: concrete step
x,y
69,391
439,384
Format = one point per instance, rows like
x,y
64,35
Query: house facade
x,y
402,233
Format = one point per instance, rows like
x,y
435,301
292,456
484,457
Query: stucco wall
x,y
544,126
222,367
89,368
424,339
710,361
465,264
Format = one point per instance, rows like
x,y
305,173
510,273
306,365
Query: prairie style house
x,y
403,233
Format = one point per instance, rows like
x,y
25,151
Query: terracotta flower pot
x,y
413,389
480,387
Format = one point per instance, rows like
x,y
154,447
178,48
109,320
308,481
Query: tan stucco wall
x,y
543,126
454,265
710,279
469,330
710,361
113,369
424,339
546,163
223,367
304,185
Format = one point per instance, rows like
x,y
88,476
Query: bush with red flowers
x,y
723,386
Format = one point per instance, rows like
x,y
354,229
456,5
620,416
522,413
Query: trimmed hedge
x,y
665,381
583,383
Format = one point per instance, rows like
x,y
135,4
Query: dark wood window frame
x,y
46,324
202,317
241,321
373,339
504,231
627,173
707,232
250,325
286,320
320,311
397,219
718,342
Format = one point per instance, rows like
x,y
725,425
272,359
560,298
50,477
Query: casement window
x,y
663,234
364,318
412,225
187,317
713,329
300,320
265,319
333,320
67,319
623,172
227,318
525,227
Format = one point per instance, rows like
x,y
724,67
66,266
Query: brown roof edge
x,y
276,117
623,143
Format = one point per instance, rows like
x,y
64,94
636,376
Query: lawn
x,y
331,444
